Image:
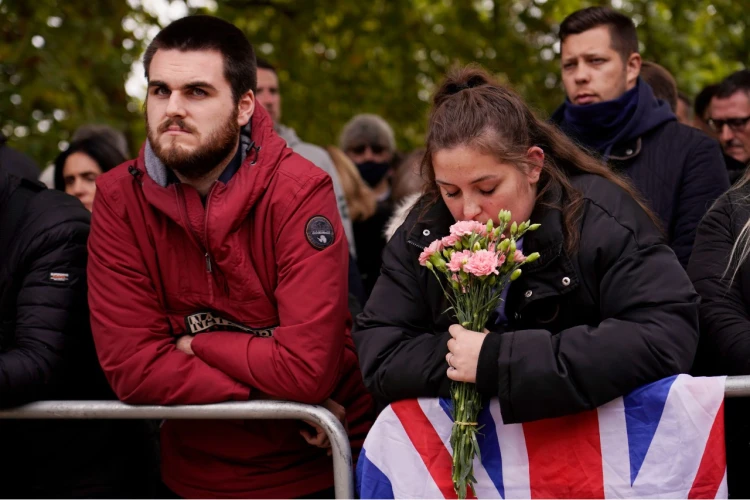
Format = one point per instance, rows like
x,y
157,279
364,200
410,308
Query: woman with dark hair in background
x,y
77,168
607,307
720,271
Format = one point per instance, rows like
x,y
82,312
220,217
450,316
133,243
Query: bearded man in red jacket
x,y
218,272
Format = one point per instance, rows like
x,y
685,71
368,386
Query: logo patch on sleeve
x,y
319,232
59,277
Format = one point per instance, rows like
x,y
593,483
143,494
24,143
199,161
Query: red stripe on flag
x,y
713,463
565,457
428,443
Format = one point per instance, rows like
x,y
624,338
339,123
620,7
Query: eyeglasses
x,y
736,124
375,148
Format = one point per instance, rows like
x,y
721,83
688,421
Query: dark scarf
x,y
602,125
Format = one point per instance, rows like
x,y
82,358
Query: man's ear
x,y
245,108
632,69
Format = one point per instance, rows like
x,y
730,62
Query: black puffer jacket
x,y
724,347
46,352
678,169
725,303
582,330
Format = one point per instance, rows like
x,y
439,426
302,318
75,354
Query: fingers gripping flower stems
x,y
477,261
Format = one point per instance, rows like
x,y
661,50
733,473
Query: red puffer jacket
x,y
159,259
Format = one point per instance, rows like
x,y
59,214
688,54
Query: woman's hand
x,y
463,355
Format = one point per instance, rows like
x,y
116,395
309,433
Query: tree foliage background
x,y
65,62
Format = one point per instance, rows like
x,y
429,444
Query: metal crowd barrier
x,y
737,387
241,410
245,410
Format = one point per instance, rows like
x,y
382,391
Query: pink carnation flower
x,y
450,240
482,263
500,259
519,257
435,247
466,227
458,260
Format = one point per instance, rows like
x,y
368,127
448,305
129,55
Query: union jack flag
x,y
664,440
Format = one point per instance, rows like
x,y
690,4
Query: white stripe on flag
x,y
615,454
390,450
514,454
444,425
676,451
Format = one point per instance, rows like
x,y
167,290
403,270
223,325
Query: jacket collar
x,y
264,150
650,113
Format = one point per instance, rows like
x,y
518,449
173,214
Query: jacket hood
x,y
400,213
650,113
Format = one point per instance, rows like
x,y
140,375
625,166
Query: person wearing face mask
x,y
77,168
370,144
605,309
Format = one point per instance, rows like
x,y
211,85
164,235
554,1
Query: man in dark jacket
x,y
730,120
46,352
610,110
16,162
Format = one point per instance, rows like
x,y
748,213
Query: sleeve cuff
x,y
225,351
487,365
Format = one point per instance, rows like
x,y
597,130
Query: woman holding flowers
x,y
602,306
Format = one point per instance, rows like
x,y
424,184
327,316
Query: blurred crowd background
x,y
64,63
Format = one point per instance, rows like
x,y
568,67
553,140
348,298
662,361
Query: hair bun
x,y
462,79
472,81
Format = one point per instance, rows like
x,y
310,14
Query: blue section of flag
x,y
643,410
489,447
447,406
377,484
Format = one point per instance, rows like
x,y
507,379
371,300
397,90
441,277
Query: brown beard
x,y
209,154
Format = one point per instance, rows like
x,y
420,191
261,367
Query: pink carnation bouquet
x,y
477,261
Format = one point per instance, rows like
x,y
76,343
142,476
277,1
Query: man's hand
x,y
184,344
321,438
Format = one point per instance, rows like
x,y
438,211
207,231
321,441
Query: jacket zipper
x,y
209,267
416,245
218,276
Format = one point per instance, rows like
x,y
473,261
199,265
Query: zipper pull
x,y
208,263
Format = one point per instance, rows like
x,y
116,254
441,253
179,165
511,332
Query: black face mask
x,y
373,172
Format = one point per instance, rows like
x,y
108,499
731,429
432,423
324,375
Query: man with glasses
x,y
730,119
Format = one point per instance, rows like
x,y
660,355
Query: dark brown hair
x,y
739,81
197,33
621,28
703,101
661,82
471,109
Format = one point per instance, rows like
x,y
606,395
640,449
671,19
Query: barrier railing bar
x,y
737,386
237,410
